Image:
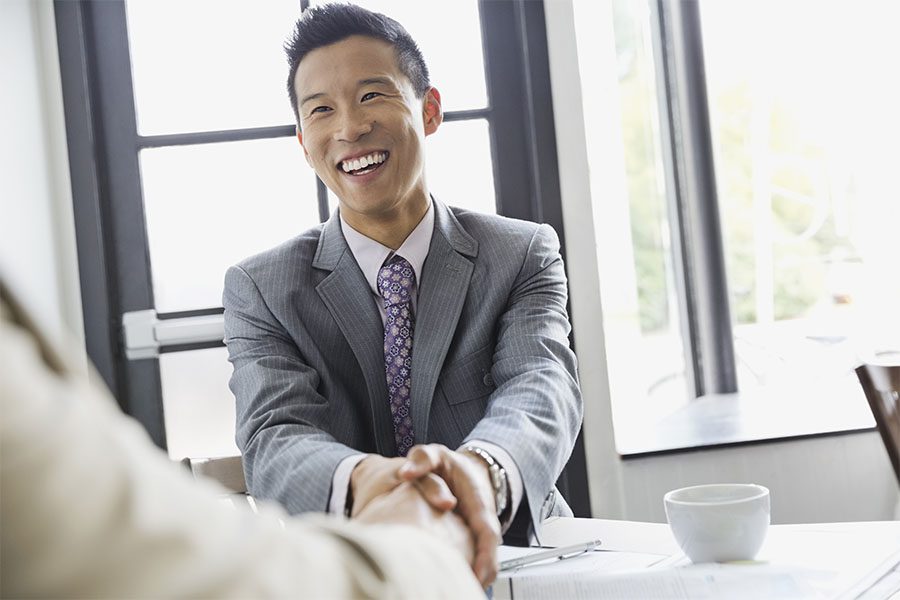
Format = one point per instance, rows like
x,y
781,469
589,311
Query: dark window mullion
x,y
196,312
322,195
520,112
541,131
502,47
467,115
263,133
125,255
693,195
215,137
92,241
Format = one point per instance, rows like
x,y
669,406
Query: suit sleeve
x,y
287,453
536,409
91,509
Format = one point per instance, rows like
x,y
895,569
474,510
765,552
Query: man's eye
x,y
369,95
320,109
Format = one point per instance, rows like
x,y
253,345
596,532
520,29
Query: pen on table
x,y
558,553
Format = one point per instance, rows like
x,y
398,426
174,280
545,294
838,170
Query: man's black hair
x,y
330,23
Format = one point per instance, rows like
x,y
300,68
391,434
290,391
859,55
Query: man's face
x,y
363,128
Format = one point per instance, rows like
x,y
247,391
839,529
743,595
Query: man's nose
x,y
354,124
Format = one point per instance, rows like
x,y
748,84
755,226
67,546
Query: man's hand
x,y
469,481
376,475
405,505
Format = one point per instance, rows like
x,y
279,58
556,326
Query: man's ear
x,y
300,139
432,112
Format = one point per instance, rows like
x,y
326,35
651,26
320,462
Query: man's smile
x,y
364,164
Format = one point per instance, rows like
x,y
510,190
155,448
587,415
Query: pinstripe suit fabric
x,y
491,358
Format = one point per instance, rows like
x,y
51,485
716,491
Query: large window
x,y
802,134
753,228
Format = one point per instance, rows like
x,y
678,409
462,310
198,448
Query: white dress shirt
x,y
370,256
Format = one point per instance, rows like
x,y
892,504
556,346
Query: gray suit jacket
x,y
491,357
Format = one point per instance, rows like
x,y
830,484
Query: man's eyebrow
x,y
376,80
306,99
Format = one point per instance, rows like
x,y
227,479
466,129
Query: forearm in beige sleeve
x,y
91,508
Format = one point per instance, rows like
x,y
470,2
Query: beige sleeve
x,y
90,508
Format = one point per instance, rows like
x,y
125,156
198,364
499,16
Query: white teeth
x,y
363,161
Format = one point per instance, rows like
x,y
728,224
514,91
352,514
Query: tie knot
x,y
396,280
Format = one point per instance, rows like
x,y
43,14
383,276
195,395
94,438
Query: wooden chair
x,y
880,380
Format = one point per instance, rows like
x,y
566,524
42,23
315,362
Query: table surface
x,y
820,560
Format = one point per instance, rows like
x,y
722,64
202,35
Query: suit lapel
x,y
347,296
442,292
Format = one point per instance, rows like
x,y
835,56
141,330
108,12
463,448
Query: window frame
x,y
692,196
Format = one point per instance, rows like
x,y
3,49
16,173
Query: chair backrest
x,y
881,382
227,470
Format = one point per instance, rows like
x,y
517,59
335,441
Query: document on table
x,y
674,583
620,536
853,560
581,567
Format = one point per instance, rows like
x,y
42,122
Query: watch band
x,y
499,480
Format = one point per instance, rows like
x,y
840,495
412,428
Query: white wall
x,y
817,480
37,234
842,478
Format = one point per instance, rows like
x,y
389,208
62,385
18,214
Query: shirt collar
x,y
370,255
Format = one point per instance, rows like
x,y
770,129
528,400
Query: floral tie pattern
x,y
396,281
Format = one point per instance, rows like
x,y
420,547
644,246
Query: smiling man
x,y
402,337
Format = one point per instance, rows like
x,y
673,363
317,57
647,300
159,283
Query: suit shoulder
x,y
475,222
497,230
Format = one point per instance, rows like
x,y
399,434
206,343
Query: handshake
x,y
445,492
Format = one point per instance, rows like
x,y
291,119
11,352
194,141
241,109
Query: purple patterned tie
x,y
396,281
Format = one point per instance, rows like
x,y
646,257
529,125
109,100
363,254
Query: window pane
x,y
641,321
449,35
209,65
805,132
210,206
462,147
198,405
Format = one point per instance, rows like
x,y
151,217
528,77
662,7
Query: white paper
x,y
593,562
624,536
692,583
577,567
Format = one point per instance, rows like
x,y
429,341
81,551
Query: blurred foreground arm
x,y
468,480
90,508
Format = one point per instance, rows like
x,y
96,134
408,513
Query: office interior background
x,y
723,175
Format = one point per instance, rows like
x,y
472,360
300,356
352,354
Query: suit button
x,y
487,379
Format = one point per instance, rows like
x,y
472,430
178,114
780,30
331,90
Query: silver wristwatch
x,y
498,477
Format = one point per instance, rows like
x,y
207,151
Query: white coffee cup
x,y
720,522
